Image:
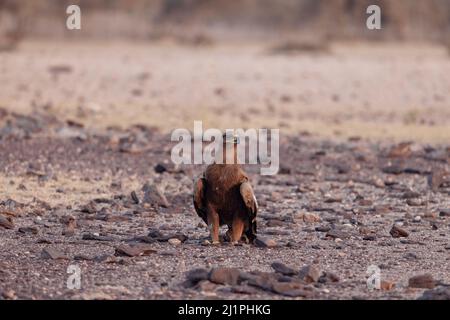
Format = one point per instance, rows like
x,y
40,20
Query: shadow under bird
x,y
224,196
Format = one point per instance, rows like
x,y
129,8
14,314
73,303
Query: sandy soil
x,y
344,180
379,91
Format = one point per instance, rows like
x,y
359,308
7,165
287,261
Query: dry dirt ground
x,y
86,177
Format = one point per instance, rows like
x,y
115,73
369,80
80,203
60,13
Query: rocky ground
x,y
333,210
86,178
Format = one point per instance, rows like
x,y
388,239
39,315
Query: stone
x,y
6,223
308,217
134,250
264,242
70,225
414,202
262,280
243,289
32,230
439,293
337,234
95,237
53,253
291,289
444,212
229,276
174,241
9,294
283,269
134,197
310,274
328,276
322,228
197,275
397,232
90,207
424,281
153,195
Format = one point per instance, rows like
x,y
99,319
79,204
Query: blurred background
x,y
144,19
302,65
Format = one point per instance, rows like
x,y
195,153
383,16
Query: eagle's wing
x,y
199,198
249,200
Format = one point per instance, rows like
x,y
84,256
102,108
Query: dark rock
x,y
134,197
6,223
439,293
264,242
134,250
422,281
283,269
327,277
82,257
397,232
310,274
32,230
335,233
444,213
144,239
393,169
197,275
160,168
159,236
229,276
262,280
91,207
54,254
414,202
70,225
154,196
437,178
244,289
322,228
91,236
291,289
370,238
410,195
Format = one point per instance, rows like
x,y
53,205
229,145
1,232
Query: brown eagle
x,y
224,196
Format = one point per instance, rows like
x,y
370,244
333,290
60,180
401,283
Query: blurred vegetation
x,y
328,19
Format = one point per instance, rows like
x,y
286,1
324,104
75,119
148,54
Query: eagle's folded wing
x,y
249,199
199,194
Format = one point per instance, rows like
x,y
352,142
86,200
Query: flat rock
x,y
264,242
335,233
6,222
397,232
196,275
53,253
154,196
310,274
32,230
95,237
229,276
283,269
291,289
425,281
439,293
134,250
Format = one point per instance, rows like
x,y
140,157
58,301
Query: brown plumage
x,y
224,196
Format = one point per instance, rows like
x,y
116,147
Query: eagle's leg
x,y
236,230
213,224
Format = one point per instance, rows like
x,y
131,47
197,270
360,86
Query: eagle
x,y
223,195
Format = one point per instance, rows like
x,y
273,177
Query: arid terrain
x,y
86,177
